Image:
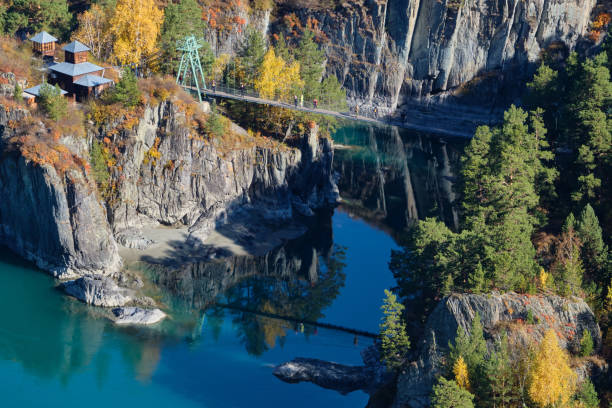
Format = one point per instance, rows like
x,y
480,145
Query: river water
x,y
219,346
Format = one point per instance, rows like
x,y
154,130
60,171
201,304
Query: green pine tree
x,y
311,60
126,91
52,102
447,394
586,344
394,340
587,395
252,54
181,20
594,250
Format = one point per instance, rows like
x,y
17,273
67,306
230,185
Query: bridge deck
x,y
236,95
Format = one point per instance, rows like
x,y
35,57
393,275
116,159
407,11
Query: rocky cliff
x,y
51,217
52,213
499,313
169,177
454,63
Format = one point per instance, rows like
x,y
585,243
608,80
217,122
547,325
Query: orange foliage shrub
x,y
598,26
37,145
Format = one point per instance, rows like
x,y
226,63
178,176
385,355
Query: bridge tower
x,y
190,74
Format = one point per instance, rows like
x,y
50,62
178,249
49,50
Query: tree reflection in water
x,y
297,280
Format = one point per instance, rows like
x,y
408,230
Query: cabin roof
x,y
43,38
73,70
75,46
92,80
35,90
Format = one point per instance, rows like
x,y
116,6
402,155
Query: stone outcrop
x,y
342,378
138,316
499,313
97,291
54,220
199,184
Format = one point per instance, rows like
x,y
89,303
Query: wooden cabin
x,y
44,44
78,76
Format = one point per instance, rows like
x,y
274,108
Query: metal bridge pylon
x,y
190,73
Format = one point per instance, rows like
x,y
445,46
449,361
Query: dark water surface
x,y
219,346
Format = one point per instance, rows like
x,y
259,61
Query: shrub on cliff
x,y
52,102
447,394
126,91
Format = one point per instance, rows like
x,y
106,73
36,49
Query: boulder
x,y
342,378
137,315
97,291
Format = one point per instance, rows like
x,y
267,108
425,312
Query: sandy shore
x,y
174,246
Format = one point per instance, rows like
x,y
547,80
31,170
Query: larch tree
x,y
461,374
135,28
594,250
553,382
276,79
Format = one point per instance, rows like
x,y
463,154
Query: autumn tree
x,y
135,28
460,372
276,79
552,380
394,340
94,30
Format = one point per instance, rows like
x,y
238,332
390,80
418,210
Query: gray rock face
x,y
138,316
97,291
197,184
569,318
54,220
422,56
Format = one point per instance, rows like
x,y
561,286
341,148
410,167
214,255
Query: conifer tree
x,y
594,251
252,54
181,20
500,389
394,340
586,396
447,394
52,102
311,65
568,267
586,344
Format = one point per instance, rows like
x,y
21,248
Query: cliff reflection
x,y
297,280
392,177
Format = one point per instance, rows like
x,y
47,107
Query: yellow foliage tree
x,y
553,382
135,28
94,31
461,373
276,78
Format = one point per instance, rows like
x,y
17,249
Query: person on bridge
x,y
242,88
375,112
302,100
213,85
295,100
356,110
315,103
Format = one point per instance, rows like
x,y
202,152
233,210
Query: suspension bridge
x,y
191,77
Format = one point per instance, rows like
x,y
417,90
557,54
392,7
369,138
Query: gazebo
x,y
44,44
